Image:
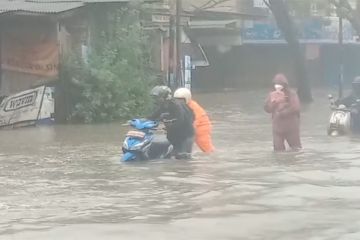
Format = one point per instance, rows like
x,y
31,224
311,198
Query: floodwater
x,y
67,182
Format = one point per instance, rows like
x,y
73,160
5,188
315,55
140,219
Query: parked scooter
x,y
143,144
340,122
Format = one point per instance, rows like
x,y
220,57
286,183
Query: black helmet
x,y
161,92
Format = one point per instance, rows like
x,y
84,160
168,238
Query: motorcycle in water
x,y
340,122
143,144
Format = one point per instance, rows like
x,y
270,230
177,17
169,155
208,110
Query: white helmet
x,y
183,93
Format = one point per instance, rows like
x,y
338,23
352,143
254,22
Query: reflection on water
x,y
66,182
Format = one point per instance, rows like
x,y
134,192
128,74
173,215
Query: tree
x,y
114,83
284,21
345,10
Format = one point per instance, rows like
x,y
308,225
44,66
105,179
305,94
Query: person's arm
x,y
292,107
179,113
270,105
156,115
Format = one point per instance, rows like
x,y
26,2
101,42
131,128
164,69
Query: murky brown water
x,y
66,182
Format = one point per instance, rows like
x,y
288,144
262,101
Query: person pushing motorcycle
x,y
178,119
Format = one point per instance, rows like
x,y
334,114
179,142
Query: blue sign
x,y
315,30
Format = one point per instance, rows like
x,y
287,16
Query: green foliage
x,y
114,83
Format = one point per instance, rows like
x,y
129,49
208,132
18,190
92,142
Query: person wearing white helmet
x,y
202,123
183,93
178,120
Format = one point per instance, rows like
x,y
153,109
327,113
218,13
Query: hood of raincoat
x,y
281,80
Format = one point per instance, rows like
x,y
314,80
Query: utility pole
x,y
171,44
171,52
178,43
341,51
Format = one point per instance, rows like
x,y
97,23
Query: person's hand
x,y
168,122
277,96
164,116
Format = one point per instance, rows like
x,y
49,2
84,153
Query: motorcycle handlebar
x,y
345,109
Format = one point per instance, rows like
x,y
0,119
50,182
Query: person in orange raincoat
x,y
202,123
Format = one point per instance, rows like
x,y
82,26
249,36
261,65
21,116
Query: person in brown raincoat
x,y
284,105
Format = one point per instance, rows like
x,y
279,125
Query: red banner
x,y
30,51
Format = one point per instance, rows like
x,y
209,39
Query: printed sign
x,y
187,74
259,4
312,30
31,51
22,107
18,102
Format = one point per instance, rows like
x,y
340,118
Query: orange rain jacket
x,y
203,128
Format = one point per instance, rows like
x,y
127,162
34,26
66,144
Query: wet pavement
x,y
66,182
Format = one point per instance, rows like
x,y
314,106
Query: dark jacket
x,y
181,120
348,101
